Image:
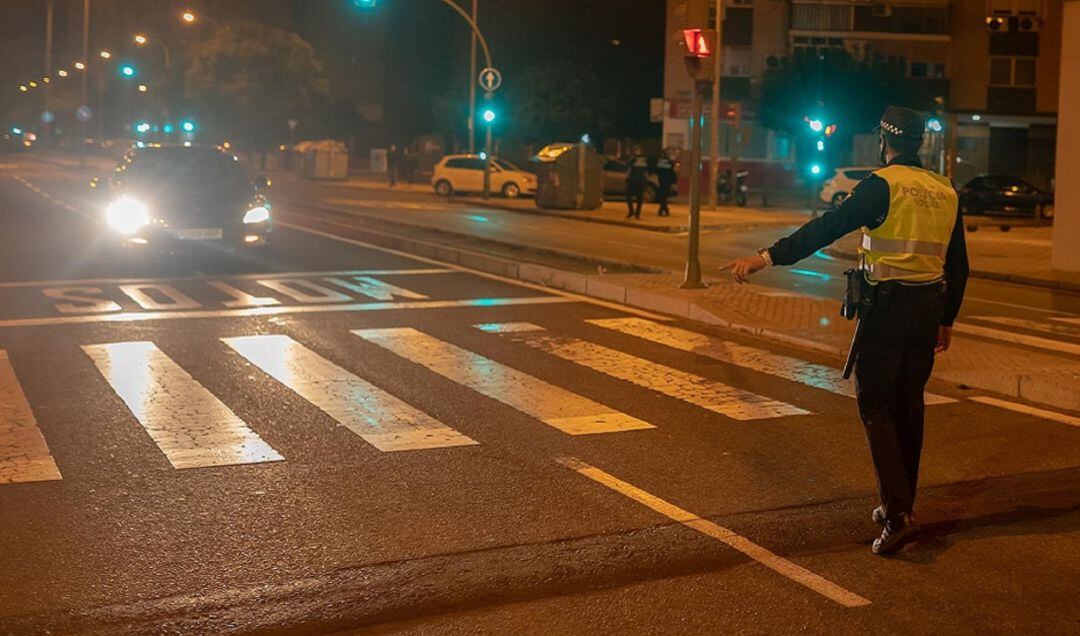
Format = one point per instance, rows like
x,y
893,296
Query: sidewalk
x,y
613,212
1020,256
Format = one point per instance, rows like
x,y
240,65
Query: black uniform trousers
x,y
663,193
635,197
895,359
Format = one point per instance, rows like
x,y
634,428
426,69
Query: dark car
x,y
615,180
996,194
166,198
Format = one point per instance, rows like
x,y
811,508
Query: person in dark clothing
x,y
665,179
637,175
393,164
913,263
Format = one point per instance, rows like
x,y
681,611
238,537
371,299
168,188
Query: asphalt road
x,y
324,440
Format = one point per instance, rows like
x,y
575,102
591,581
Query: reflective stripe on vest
x,y
925,248
912,242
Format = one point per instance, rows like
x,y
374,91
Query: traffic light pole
x,y
692,279
487,164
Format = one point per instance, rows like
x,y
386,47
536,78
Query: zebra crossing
x,y
194,428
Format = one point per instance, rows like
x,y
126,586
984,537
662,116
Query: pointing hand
x,y
744,267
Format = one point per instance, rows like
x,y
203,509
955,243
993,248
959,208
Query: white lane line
x,y
66,206
717,397
190,426
774,562
1018,306
1028,410
276,311
556,407
1058,346
1071,321
24,455
379,418
1050,328
572,297
374,288
241,298
818,376
346,272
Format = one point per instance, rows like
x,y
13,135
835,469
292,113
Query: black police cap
x,y
902,122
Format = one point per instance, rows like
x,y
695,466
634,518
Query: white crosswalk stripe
x,y
1014,337
709,394
818,376
191,427
556,407
24,455
379,418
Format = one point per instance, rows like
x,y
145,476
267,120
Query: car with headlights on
x,y
167,198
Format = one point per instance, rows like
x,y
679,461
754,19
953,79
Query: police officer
x,y
637,175
914,264
665,179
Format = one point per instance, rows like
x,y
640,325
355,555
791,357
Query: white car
x,y
465,173
840,184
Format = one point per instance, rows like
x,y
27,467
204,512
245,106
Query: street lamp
x,y
142,40
187,16
105,55
80,66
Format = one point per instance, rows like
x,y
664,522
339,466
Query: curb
x,y
577,216
1030,281
591,260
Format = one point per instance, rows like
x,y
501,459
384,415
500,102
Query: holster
x,y
859,295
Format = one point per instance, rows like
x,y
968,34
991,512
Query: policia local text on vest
x,y
912,273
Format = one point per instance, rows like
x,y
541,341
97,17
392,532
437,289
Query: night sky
x,y
399,57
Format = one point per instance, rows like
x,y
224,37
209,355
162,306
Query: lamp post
x,y
85,80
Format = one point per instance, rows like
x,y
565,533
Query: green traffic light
x,y
128,70
364,4
489,115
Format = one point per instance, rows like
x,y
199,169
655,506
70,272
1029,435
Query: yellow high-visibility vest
x,y
911,244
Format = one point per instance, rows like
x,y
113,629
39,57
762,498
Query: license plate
x,y
204,234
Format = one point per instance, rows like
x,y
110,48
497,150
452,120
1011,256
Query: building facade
x,y
988,67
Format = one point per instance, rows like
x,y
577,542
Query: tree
x,y
248,80
559,102
834,87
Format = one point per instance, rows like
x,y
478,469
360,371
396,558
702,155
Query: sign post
x,y
490,79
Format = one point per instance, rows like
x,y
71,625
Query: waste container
x,y
324,159
570,177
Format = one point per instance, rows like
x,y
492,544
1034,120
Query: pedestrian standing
x,y
665,179
912,272
637,175
393,164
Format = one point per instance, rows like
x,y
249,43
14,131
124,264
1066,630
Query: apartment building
x,y
992,65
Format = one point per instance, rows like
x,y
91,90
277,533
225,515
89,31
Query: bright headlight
x,y
127,215
257,215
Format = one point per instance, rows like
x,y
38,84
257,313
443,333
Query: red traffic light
x,y
699,42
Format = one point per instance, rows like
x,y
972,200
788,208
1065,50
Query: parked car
x,y
615,180
843,180
465,173
1010,196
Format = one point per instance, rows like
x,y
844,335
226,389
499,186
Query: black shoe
x,y
878,515
896,533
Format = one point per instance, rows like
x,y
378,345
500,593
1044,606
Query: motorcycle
x,y
723,187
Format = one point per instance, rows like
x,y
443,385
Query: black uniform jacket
x,y
868,206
